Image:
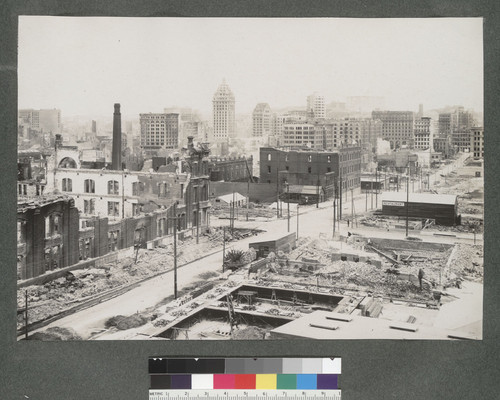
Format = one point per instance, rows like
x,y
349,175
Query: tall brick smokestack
x,y
116,157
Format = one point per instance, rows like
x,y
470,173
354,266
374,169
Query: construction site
x,y
366,279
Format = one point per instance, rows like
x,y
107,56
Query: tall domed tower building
x,y
223,113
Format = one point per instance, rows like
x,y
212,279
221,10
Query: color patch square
x,y
265,381
235,366
223,381
160,382
292,366
180,382
157,365
272,366
332,365
244,381
312,365
306,381
254,365
202,381
286,381
327,381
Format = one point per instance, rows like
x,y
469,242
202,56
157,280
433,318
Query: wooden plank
x,y
329,327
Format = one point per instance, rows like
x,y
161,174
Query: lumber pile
x,y
370,307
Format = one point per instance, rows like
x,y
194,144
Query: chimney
x,y
190,142
116,157
58,141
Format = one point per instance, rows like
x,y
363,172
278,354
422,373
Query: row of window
x,y
113,187
113,208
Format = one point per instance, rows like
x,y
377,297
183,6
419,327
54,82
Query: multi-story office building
x,y
397,127
334,134
42,120
223,113
277,124
159,131
311,167
316,105
422,133
461,140
477,142
299,135
457,120
262,120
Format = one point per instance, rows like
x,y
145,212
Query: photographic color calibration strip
x,y
250,378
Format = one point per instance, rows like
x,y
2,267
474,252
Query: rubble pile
x,y
315,249
358,277
79,285
254,211
55,333
467,261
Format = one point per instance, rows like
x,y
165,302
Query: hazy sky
x,y
83,65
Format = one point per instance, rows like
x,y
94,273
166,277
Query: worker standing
x,y
420,277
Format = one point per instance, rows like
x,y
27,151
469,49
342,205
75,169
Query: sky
x,y
83,65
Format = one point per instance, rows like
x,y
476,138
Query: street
x,y
313,222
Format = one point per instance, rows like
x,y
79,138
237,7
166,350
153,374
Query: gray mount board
x,y
370,369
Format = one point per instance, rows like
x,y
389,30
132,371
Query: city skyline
x,y
275,61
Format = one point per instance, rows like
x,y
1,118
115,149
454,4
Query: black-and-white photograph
x,y
250,178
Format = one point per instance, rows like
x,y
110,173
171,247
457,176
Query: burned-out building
x,y
311,168
230,169
47,235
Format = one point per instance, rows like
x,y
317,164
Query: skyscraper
x,y
159,131
262,120
397,127
316,104
223,112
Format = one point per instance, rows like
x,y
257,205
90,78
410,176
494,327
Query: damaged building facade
x,y
47,235
311,168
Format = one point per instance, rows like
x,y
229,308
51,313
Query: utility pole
x,y
376,188
175,219
317,186
248,195
340,198
123,197
288,203
407,196
278,186
232,219
353,209
197,214
26,308
297,220
366,200
317,194
334,211
371,192
223,249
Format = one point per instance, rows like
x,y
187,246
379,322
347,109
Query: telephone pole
x,y
334,210
408,195
288,203
175,219
197,215
223,249
297,220
26,306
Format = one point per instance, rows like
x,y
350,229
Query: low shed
x,y
303,194
274,244
443,208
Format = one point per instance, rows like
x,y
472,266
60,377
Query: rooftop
x,y
331,325
431,198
